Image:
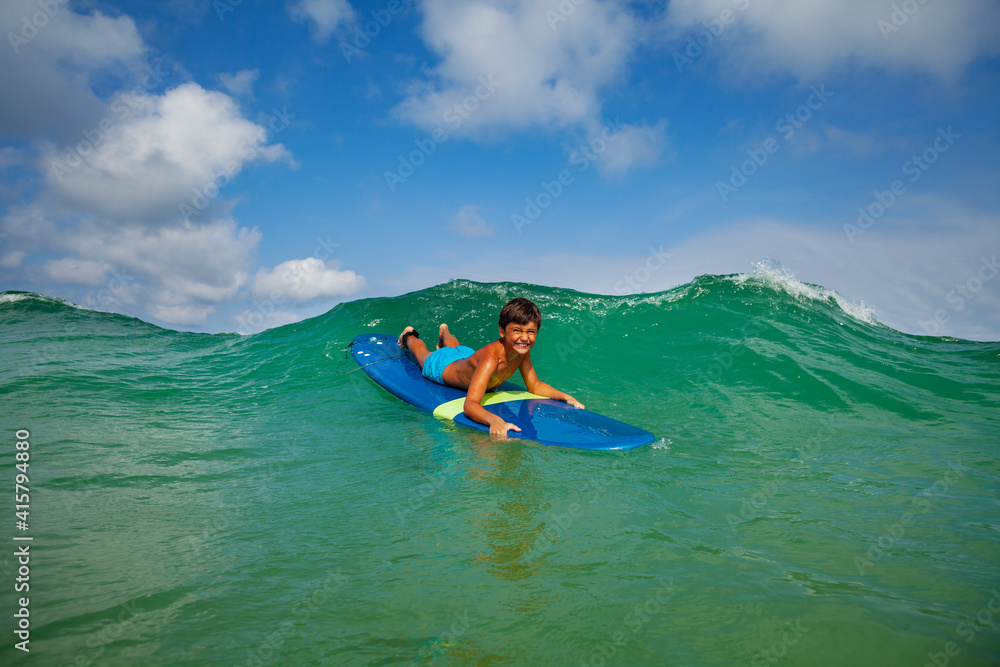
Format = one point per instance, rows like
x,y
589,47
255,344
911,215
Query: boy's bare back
x,y
460,373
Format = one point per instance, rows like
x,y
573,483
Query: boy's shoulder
x,y
494,347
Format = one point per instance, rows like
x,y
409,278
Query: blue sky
x,y
231,166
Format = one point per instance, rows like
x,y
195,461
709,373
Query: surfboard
x,y
544,420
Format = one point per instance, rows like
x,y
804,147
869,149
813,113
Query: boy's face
x,y
519,337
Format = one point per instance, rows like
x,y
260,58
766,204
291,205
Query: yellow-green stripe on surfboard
x,y
451,409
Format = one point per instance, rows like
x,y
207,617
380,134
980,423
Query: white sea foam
x,y
13,297
662,443
773,274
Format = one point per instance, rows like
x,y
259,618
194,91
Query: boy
x,y
477,371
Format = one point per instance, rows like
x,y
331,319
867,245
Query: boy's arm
x,y
473,407
536,386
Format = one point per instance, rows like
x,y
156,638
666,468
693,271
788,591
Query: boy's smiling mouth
x,y
520,338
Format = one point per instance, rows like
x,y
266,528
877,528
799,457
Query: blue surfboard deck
x,y
544,420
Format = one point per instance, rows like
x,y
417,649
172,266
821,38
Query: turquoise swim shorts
x,y
438,360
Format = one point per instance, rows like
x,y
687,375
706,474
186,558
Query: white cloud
x,y
545,75
28,227
187,314
148,164
88,40
468,223
45,72
13,259
863,145
325,15
105,221
635,146
199,263
68,270
109,210
173,269
306,279
241,83
810,38
510,66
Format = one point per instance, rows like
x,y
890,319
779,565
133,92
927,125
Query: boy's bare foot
x,y
445,339
403,336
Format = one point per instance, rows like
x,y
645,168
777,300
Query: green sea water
x,y
823,490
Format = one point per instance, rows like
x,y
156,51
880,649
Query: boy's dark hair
x,y
520,311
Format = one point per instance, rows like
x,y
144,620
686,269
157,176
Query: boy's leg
x,y
445,339
416,347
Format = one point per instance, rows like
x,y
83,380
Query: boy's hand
x,y
502,427
572,401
